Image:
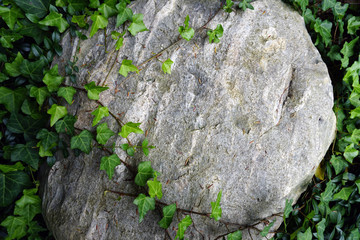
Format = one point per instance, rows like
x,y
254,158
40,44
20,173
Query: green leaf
x,y
244,4
82,141
266,229
42,152
216,34
303,4
3,77
354,99
137,24
36,7
99,114
119,43
125,14
34,70
354,235
61,3
324,29
130,127
340,10
345,193
126,67
26,153
15,226
93,91
348,52
350,153
155,188
327,195
109,163
338,163
67,93
186,32
355,113
66,125
79,20
353,25
235,235
19,123
99,22
31,108
288,208
33,229
334,53
55,19
40,94
76,6
107,10
305,236
103,133
166,66
144,204
12,99
10,15
183,225
357,182
52,79
94,3
145,172
8,37
320,229
355,136
13,69
326,4
29,205
216,208
168,213
227,7
56,112
27,28
11,168
11,184
48,139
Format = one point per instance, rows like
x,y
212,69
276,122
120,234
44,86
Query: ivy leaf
x,y
130,127
79,20
288,208
137,24
15,226
235,235
119,43
52,79
126,67
34,228
94,3
345,193
216,208
99,114
103,133
144,204
216,34
266,229
8,37
40,94
166,66
55,19
34,70
109,163
36,7
11,168
26,153
28,205
76,6
340,10
305,236
355,113
82,141
168,213
308,16
56,113
324,29
93,91
320,229
347,51
19,123
13,69
357,182
145,172
99,22
48,139
244,4
228,5
303,4
10,15
11,184
186,32
155,188
353,25
107,10
67,93
12,99
326,4
338,163
27,28
183,225
124,14
350,153
327,195
66,125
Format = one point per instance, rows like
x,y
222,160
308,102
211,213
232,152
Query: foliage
x,y
185,31
216,34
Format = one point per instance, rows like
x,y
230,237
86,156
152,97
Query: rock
x,y
251,116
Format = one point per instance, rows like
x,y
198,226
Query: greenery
x,y
35,123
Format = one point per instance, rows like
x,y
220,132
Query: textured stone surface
x,y
251,116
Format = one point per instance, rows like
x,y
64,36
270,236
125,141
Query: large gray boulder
x,y
251,116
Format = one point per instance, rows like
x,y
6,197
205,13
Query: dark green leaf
x,y
11,184
93,91
235,235
36,7
18,123
103,133
145,172
99,22
166,66
327,195
137,24
144,204
99,114
40,94
12,99
56,113
10,15
34,70
66,125
76,6
33,229
55,19
48,139
130,127
168,213
334,53
67,93
15,226
8,37
216,208
94,3
82,141
26,153
13,69
52,79
109,163
27,28
183,225
320,229
344,194
324,29
338,163
126,67
155,188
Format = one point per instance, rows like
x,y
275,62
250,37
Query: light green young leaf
x,y
82,141
166,66
55,19
12,99
79,20
350,153
40,94
108,163
339,10
56,113
320,229
130,127
52,79
144,204
29,205
11,184
326,4
354,98
235,235
324,29
303,4
327,195
124,14
155,188
183,225
137,24
305,236
216,34
244,4
345,193
15,226
227,7
145,172
338,163
355,113
93,91
66,125
103,133
357,182
266,229
42,152
13,69
48,139
99,114
186,32
107,10
348,52
67,93
99,22
10,15
26,153
12,168
216,208
353,25
168,213
126,67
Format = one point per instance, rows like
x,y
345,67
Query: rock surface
x,y
251,116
